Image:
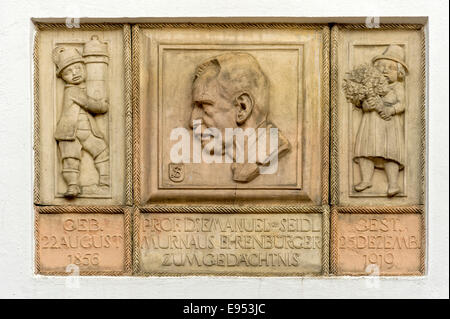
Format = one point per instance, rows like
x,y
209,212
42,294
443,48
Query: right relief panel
x,y
378,115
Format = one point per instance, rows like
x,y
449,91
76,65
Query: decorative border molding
x,y
230,209
335,211
326,241
135,76
220,26
324,210
127,215
128,115
334,167
82,26
334,141
423,117
36,120
382,26
127,101
325,100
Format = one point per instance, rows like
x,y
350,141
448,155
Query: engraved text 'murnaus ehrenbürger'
x,y
85,97
378,91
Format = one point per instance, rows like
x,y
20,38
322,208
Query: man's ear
x,y
244,104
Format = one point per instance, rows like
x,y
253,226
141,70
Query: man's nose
x,y
197,114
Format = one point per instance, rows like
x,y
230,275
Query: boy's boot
x,y
102,166
71,174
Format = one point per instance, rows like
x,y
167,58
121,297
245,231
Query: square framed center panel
x,y
230,77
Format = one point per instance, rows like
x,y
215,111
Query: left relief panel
x,y
82,115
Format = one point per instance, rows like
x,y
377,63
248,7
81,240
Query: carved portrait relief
x,y
230,91
85,99
239,118
377,89
217,125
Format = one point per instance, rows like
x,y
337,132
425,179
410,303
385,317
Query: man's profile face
x,y
210,106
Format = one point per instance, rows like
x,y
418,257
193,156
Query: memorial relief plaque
x,y
378,243
231,244
231,114
378,115
82,115
76,241
176,149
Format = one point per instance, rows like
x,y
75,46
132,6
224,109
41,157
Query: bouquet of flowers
x,y
365,83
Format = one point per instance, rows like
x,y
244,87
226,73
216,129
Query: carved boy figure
x,y
77,128
231,91
380,139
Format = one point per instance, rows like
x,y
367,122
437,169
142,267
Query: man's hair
x,y
238,73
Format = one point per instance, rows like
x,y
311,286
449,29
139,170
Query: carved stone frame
x,y
127,101
324,123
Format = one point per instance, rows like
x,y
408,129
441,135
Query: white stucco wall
x,y
16,214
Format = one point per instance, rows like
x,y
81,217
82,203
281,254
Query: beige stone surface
x,y
81,114
379,244
380,147
173,82
95,243
230,244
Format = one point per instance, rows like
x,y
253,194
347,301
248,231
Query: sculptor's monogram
x,y
176,172
85,97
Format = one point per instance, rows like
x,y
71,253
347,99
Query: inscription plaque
x,y
236,244
92,243
379,244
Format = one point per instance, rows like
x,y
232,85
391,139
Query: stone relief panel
x,y
82,118
380,117
85,100
231,116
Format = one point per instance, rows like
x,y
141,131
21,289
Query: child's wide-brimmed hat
x,y
65,56
394,53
